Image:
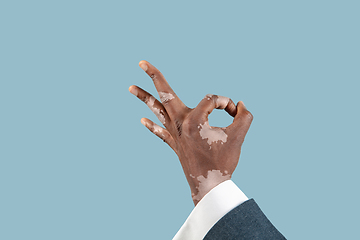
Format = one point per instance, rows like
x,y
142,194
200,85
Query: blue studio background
x,y
76,163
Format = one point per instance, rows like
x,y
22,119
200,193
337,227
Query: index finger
x,y
170,100
211,102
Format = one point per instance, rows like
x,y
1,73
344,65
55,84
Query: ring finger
x,y
155,106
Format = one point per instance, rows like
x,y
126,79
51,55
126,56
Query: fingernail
x,y
144,66
144,122
133,90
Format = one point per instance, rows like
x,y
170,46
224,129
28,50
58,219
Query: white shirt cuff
x,y
212,207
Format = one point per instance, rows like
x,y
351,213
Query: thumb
x,y
242,119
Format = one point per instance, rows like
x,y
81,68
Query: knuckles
x,y
154,74
211,97
144,98
188,128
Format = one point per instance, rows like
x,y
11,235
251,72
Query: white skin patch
x,y
159,130
212,134
208,96
159,114
221,102
165,97
213,178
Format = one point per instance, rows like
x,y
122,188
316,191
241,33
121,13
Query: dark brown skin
x,y
182,133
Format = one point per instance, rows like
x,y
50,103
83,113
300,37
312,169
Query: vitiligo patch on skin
x,y
212,134
208,96
213,178
159,114
221,102
158,131
165,97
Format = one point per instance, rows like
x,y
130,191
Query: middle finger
x,y
170,100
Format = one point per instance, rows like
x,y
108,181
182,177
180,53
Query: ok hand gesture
x,y
208,155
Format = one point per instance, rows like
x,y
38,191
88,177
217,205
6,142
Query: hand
x,y
208,155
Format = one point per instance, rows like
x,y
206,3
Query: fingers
x,y
159,131
242,120
230,107
242,113
171,102
155,106
210,102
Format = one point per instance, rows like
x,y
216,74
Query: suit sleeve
x,y
246,221
214,205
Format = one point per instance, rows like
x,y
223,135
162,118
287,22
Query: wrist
x,y
201,185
